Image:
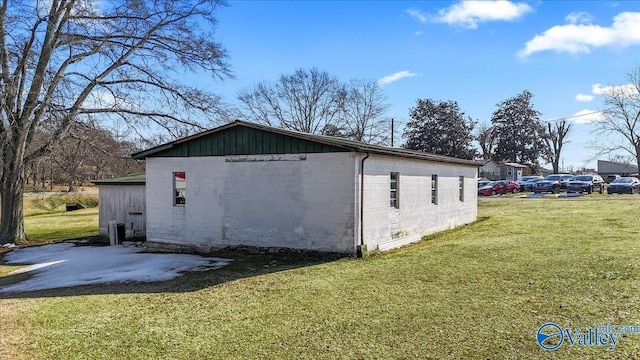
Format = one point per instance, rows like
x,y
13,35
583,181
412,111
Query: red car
x,y
499,187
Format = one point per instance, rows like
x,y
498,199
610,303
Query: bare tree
x,y
69,158
556,138
619,128
62,61
307,101
486,138
89,152
363,113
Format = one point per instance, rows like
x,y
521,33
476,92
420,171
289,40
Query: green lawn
x,y
478,292
46,228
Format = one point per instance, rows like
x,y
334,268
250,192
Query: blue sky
x,y
475,53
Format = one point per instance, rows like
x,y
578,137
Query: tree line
x,y
315,102
85,153
70,69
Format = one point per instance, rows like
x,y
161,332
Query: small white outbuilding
x,y
255,185
122,200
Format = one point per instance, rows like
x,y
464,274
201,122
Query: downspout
x,y
360,252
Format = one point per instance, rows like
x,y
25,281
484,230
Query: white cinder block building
x,y
254,185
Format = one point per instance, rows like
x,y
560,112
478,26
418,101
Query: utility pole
x,y
392,132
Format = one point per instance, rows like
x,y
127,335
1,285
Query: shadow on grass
x,y
244,265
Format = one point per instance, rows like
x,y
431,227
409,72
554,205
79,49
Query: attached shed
x,y
255,185
123,199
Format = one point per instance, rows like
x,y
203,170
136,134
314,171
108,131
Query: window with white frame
x,y
179,188
434,189
394,187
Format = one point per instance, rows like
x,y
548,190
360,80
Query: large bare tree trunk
x,y
638,156
68,62
11,192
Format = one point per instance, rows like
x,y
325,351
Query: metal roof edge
x,y
140,155
130,179
425,156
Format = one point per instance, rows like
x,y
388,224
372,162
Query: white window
x,y
434,189
179,188
461,188
394,187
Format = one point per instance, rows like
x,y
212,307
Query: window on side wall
x,y
461,188
179,188
394,187
434,189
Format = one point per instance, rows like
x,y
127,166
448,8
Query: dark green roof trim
x,y
239,140
244,138
131,179
143,154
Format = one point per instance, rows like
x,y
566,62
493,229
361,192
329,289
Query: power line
x,y
576,116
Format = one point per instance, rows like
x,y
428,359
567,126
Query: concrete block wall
x,y
292,201
386,227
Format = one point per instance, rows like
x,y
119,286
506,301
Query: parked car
x,y
499,187
586,183
610,178
528,186
553,183
482,183
523,180
624,185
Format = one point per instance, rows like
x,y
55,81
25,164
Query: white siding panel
x,y
124,204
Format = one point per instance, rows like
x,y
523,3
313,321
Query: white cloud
x,y
629,89
417,14
584,98
469,13
418,33
579,18
395,77
582,38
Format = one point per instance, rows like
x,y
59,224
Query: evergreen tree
x,y
519,133
439,127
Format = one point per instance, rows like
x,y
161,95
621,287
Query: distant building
x,y
544,172
493,170
606,168
513,171
489,170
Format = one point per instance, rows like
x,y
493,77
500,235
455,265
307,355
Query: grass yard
x,y
45,204
43,229
479,292
46,220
